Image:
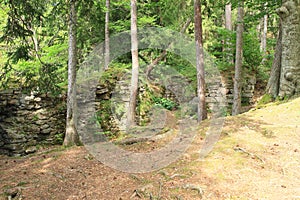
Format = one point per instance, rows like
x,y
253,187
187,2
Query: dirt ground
x,y
257,157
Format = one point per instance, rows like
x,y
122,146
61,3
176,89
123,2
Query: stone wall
x,y
221,88
27,121
226,82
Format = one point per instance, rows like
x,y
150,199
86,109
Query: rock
x,y
24,122
20,119
30,150
3,103
40,122
30,107
8,91
14,102
101,91
45,126
34,129
29,98
38,99
37,106
46,131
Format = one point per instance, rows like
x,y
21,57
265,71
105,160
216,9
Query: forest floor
x,y
257,157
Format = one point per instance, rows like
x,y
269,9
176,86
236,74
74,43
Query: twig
x,y
194,187
135,193
248,153
159,191
175,175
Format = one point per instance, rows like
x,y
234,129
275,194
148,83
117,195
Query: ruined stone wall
x,y
226,82
27,121
221,88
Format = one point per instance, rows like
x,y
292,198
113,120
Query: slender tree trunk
x,y
238,61
202,113
107,51
228,23
228,26
71,136
264,34
135,66
274,80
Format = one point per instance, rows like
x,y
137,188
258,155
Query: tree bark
x,y
274,80
290,61
228,24
238,61
107,51
71,136
263,44
202,113
135,66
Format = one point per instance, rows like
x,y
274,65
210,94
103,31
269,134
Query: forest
x,y
149,99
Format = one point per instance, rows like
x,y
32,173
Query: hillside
x,y
257,157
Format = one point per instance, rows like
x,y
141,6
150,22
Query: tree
x,y
274,80
228,24
135,66
202,113
107,53
71,136
264,34
238,60
290,67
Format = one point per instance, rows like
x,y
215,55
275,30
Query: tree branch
x,y
151,66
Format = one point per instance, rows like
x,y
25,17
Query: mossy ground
x,y
257,157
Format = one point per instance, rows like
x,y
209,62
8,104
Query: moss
x,y
267,98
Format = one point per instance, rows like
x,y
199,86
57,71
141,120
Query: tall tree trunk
x,y
107,51
274,80
238,60
202,113
263,44
135,66
228,23
71,136
290,60
228,26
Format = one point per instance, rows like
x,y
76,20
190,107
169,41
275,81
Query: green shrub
x,y
165,103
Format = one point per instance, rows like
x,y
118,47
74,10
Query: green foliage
x,y
223,50
174,13
252,55
59,138
47,75
145,102
164,102
115,71
183,67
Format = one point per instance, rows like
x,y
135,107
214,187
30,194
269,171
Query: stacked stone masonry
x,y
27,121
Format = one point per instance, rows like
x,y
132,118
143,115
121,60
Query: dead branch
x,y
248,153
